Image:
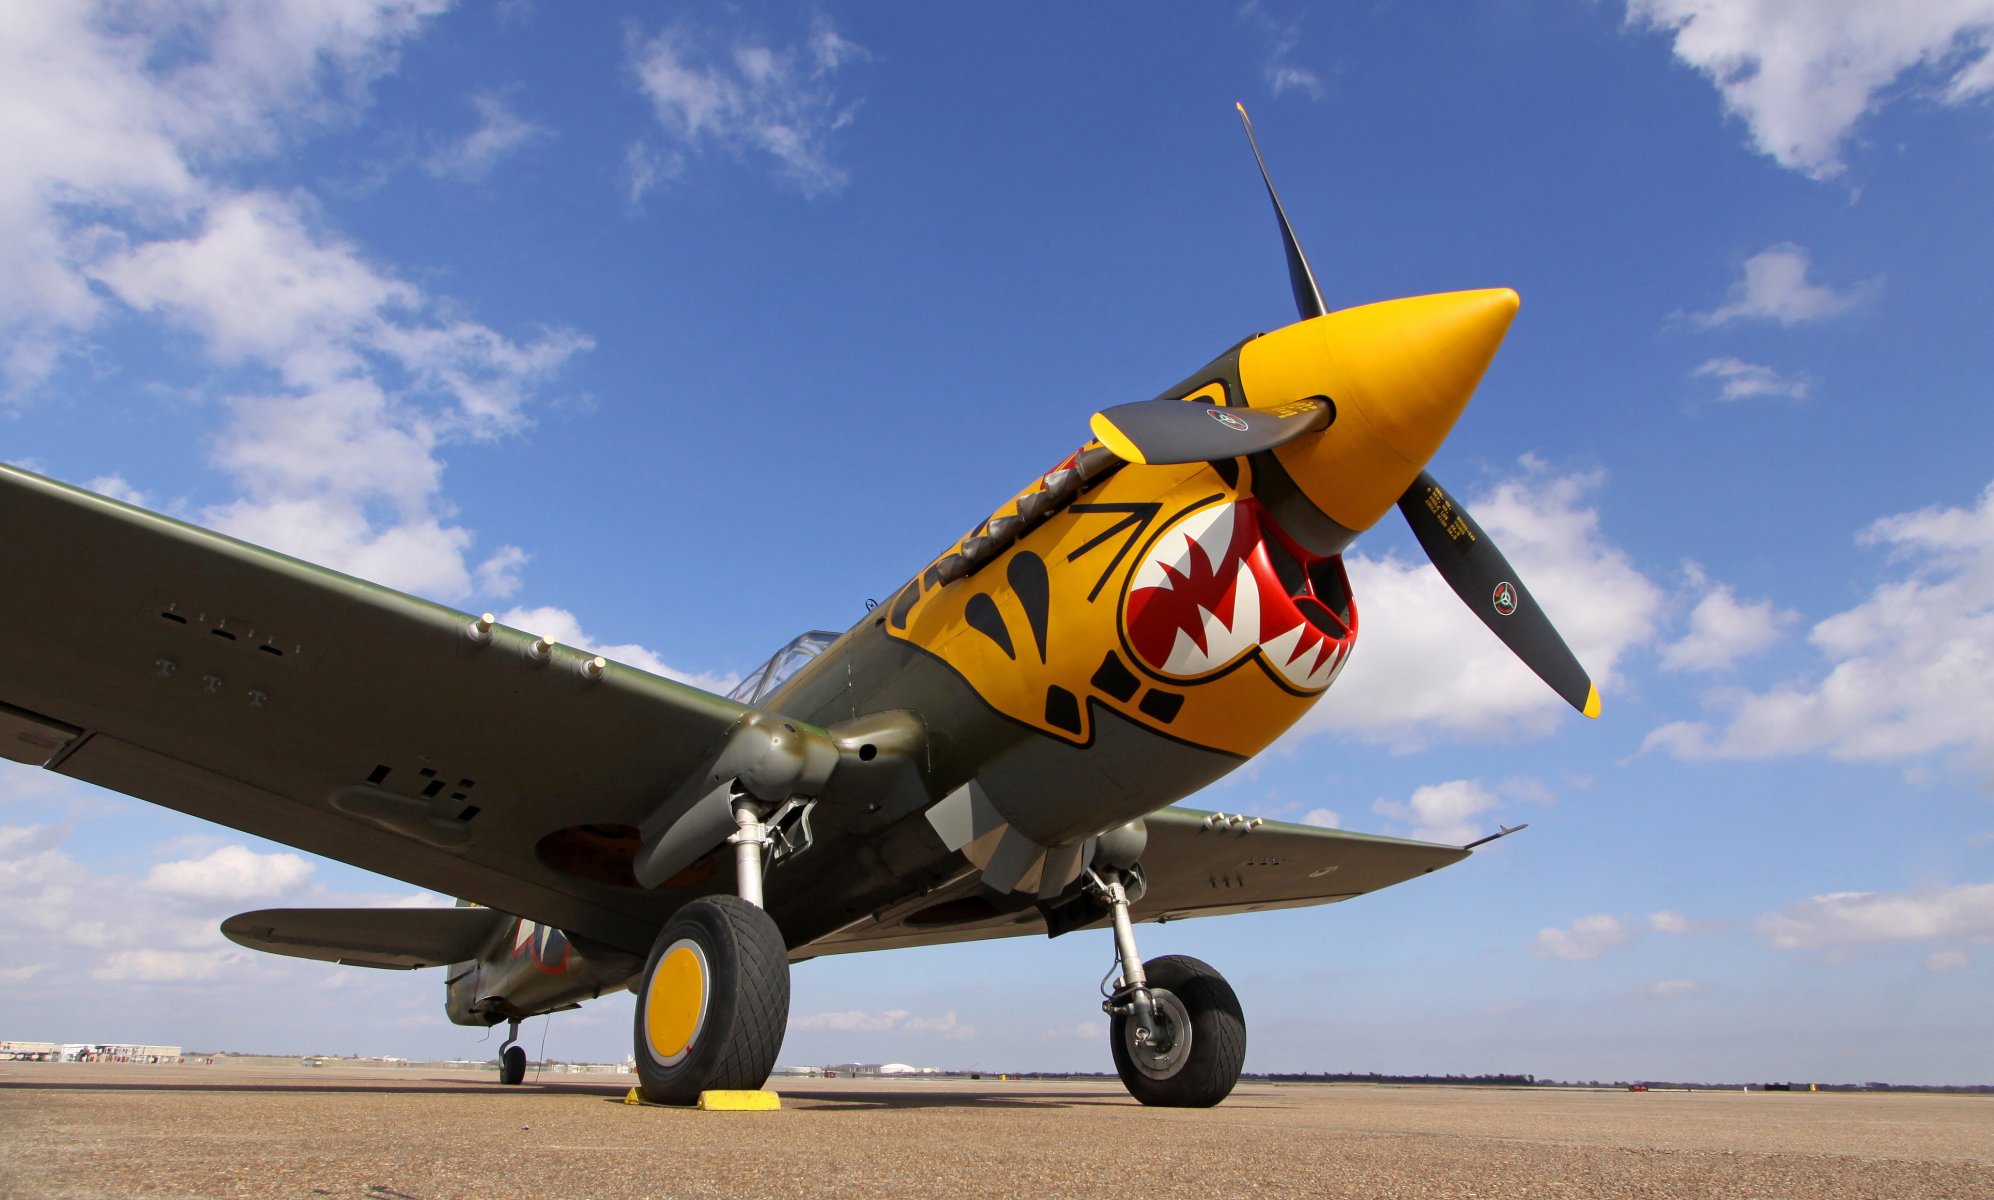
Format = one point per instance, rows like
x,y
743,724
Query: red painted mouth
x,y
1224,582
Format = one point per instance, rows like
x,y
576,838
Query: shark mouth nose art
x,y
1224,584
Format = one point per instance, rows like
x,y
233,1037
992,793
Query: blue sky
x,y
539,312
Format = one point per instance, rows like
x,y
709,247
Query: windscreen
x,y
761,682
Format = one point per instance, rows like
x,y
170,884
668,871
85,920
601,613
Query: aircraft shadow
x,y
892,1100
382,1089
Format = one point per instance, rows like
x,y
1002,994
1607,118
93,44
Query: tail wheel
x,y
512,1065
713,1001
1201,1044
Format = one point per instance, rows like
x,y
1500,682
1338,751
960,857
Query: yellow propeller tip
x,y
1114,439
1592,703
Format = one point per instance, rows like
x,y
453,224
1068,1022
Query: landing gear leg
x,y
714,996
512,1056
1175,1027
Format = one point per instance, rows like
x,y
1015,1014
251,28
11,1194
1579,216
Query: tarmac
x,y
430,1133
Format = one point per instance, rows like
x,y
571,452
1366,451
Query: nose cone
x,y
1400,373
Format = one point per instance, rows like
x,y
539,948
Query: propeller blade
x,y
1470,563
1191,431
1308,297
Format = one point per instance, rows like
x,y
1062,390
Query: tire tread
x,y
1218,1031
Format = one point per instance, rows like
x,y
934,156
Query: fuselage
x,y
1118,635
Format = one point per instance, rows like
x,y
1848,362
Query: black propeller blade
x,y
1180,431
1308,297
1470,563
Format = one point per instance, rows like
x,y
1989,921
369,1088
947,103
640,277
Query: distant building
x,y
120,1052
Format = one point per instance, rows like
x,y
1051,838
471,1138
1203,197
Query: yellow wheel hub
x,y
675,1003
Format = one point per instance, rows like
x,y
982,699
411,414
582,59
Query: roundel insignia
x,y
1230,421
1505,598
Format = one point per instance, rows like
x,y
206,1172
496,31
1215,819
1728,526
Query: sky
x,y
676,331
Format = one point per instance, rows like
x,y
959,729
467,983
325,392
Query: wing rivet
x,y
541,650
592,668
480,630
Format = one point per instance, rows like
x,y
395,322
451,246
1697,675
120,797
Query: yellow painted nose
x,y
1400,372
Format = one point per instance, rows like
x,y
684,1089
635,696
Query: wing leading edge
x,y
349,720
1198,864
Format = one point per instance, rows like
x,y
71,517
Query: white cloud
x,y
850,1022
1911,668
1964,911
232,873
498,575
945,1026
1670,988
1722,629
1323,818
341,382
857,1021
1741,380
1948,960
565,628
1283,74
500,132
93,929
1775,287
1425,669
1527,790
338,458
100,130
1802,73
1442,812
164,966
1589,937
1668,921
645,168
116,488
753,98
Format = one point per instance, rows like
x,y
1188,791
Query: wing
x,y
1198,864
392,938
301,705
1202,864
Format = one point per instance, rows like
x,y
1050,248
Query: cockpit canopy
x,y
760,683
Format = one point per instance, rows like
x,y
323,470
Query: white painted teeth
x,y
1211,528
1302,656
1223,642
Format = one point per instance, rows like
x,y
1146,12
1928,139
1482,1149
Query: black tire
x,y
721,1006
512,1065
1191,1000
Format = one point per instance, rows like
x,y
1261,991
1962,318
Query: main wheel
x,y
1201,1042
512,1065
712,1003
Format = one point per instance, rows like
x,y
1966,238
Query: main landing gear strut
x,y
713,1000
1175,1027
512,1055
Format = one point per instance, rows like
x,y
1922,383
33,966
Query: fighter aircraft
x,y
993,752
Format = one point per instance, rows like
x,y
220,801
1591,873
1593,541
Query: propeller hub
x,y
1399,373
